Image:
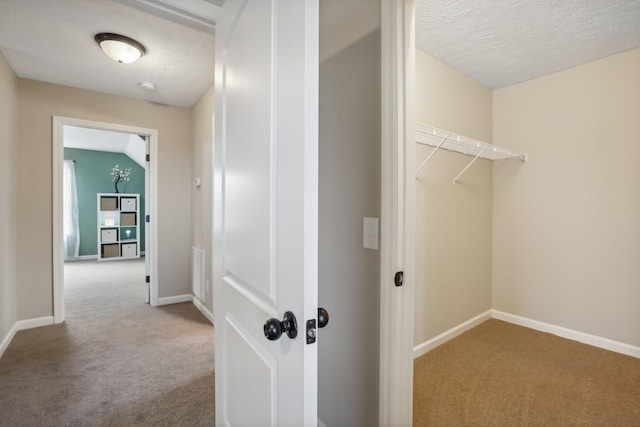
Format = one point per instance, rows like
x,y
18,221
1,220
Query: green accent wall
x,y
93,176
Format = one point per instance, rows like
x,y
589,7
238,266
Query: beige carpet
x,y
115,362
499,374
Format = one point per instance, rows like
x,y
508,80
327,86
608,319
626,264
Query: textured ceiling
x,y
52,41
498,43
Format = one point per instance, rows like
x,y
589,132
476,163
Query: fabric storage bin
x,y
129,249
108,203
108,235
128,204
127,218
111,250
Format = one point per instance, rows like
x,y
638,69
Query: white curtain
x,y
71,229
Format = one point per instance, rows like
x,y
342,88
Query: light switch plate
x,y
370,233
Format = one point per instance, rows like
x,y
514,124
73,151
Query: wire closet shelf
x,y
438,138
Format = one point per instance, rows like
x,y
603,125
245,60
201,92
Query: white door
x,y
147,204
265,211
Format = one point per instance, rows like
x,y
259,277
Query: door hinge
x,y
399,277
311,331
147,279
148,157
147,218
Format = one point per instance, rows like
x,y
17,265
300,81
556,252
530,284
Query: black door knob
x,y
323,317
273,328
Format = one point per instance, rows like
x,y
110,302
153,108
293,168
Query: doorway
x,y
62,125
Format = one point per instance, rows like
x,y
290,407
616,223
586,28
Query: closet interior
x,y
526,203
453,200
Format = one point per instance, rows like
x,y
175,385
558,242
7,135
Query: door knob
x,y
273,328
323,317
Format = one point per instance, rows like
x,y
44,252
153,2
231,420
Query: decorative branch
x,y
120,175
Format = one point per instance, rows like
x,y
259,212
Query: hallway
x,y
114,361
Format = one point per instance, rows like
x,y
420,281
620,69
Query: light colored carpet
x,y
116,361
499,374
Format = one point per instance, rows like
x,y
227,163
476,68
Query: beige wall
x,y
567,223
8,192
37,103
202,167
349,189
449,100
342,23
453,221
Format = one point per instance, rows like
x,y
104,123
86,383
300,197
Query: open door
x,y
147,209
265,213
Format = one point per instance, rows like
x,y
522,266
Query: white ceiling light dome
x,y
120,48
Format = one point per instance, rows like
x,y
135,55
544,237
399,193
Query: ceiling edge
x,y
198,14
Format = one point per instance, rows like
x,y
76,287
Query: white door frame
x,y
397,198
151,174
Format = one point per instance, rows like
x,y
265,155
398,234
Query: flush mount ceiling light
x,y
120,48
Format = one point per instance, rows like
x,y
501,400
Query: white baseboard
x,y
203,309
175,299
34,323
605,343
7,339
81,258
88,257
188,298
429,345
23,324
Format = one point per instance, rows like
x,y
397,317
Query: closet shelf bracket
x,y
431,154
434,137
455,180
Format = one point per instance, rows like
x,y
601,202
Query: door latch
x,y
323,319
311,331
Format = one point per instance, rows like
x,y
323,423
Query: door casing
x,y
151,206
396,233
